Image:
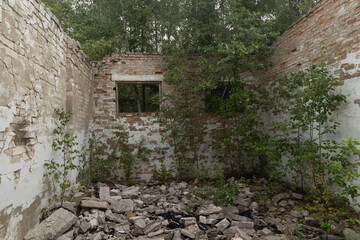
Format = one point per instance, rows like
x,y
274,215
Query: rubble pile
x,y
174,211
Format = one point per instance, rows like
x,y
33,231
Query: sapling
x,y
65,144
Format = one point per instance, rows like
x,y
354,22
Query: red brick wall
x,y
332,24
122,68
140,126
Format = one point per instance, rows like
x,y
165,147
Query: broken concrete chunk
x,y
94,223
209,209
85,226
94,203
296,214
98,236
123,206
156,233
188,221
53,227
230,232
202,219
297,196
187,233
104,193
280,197
122,228
130,192
113,217
177,235
243,202
71,206
115,192
182,185
351,234
265,231
242,234
153,238
244,224
152,227
67,236
230,210
223,224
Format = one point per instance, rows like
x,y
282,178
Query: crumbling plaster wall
x,y
331,29
131,67
145,127
40,69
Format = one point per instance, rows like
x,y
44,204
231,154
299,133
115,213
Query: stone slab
x,y
53,227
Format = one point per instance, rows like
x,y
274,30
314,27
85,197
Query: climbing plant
x,y
64,143
105,158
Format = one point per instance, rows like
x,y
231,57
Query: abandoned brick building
x,y
42,69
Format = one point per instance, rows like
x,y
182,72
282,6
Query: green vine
x,y
65,144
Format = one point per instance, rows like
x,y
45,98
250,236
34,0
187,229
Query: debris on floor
x,y
174,211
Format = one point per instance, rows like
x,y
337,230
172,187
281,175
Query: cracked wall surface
x,y
330,32
142,127
40,69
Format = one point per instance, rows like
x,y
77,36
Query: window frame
x,y
117,83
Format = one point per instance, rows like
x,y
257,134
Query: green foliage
x,y
205,192
297,232
97,49
104,158
226,194
127,155
162,175
66,145
215,73
222,195
174,26
318,163
96,165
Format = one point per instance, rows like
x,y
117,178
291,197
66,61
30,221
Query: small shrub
x,y
102,162
96,165
162,175
226,195
65,144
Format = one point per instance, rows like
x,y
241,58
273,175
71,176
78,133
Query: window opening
x,y
134,97
214,97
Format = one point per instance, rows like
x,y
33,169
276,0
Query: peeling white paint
x,y
6,117
1,10
28,97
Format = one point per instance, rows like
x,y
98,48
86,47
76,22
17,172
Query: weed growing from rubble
x,y
297,232
65,144
318,163
163,175
96,165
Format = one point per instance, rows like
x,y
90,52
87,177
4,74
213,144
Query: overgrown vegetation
x,y
105,158
167,26
163,174
64,143
213,46
320,165
221,192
